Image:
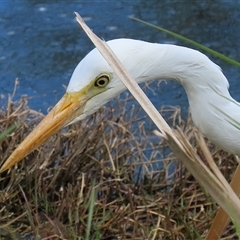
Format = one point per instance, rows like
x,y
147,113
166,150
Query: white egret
x,y
93,83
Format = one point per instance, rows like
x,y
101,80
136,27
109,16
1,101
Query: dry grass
x,y
96,180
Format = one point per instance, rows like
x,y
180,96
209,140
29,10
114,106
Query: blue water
x,y
41,43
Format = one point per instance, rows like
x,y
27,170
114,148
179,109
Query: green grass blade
x,y
196,44
91,209
8,131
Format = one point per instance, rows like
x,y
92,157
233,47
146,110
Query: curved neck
x,y
205,84
193,70
212,107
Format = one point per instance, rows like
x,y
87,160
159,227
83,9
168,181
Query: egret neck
x,y
93,83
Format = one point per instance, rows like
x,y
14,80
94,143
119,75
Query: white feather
x,y
202,80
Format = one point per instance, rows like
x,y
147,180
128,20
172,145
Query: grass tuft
x,y
103,178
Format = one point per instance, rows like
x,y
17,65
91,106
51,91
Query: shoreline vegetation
x,y
95,180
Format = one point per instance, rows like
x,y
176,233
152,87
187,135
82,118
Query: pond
x,y
41,43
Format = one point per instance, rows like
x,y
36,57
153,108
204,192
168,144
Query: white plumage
x,y
202,80
94,83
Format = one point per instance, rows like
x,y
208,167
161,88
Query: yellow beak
x,y
68,108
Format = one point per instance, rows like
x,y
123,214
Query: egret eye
x,y
102,81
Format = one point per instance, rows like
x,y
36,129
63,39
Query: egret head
x,y
94,81
92,84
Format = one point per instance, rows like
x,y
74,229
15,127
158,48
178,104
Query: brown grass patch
x,y
102,178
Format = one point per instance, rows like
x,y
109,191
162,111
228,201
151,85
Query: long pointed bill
x,y
68,108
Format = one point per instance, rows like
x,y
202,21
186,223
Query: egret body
x,y
93,83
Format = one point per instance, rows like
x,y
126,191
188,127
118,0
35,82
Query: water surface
x,y
41,43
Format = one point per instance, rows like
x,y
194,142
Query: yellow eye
x,y
102,81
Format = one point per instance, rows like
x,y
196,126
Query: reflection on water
x,y
41,43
